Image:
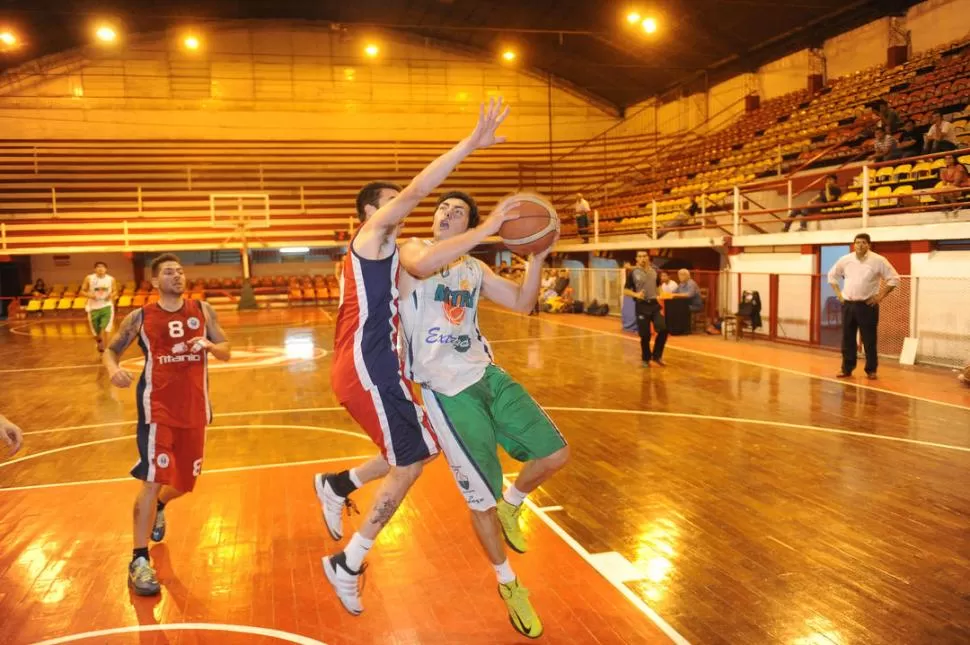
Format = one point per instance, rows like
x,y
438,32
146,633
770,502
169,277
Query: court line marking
x,y
580,550
302,360
699,352
214,471
549,509
222,415
763,422
209,627
85,444
683,415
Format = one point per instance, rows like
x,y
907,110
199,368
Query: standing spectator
x,y
954,175
641,285
888,118
695,301
582,216
860,297
941,137
884,145
830,193
910,141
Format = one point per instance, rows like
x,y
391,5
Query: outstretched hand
x,y
488,122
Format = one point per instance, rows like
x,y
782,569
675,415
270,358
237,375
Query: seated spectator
x,y
910,141
941,137
689,288
954,175
40,288
830,192
667,284
888,118
884,146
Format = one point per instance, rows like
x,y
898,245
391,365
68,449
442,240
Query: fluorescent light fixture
x,y
295,250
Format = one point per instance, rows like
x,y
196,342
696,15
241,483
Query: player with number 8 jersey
x,y
176,336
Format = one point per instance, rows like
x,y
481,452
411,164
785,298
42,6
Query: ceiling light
x,y
649,25
8,38
508,55
295,250
192,42
106,34
633,17
372,50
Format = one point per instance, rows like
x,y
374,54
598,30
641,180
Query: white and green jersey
x,y
443,347
102,288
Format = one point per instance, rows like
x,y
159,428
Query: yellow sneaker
x,y
508,517
521,614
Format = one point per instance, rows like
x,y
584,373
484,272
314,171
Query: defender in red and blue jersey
x,y
366,376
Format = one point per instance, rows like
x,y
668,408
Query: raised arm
x,y
517,297
380,227
127,333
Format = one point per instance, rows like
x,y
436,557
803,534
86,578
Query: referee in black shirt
x,y
641,285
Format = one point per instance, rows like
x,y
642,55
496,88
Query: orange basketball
x,y
535,228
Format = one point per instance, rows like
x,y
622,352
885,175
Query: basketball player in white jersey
x,y
473,405
100,289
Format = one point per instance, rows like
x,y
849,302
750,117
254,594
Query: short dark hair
x,y
468,199
99,263
162,259
370,194
832,176
863,236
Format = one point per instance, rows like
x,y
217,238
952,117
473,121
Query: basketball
x,y
536,227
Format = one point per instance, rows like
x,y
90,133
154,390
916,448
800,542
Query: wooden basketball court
x,y
739,495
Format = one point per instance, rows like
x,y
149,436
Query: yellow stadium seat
x,y
139,300
50,304
901,173
905,189
79,303
885,175
882,191
34,305
853,197
938,163
124,302
965,159
64,304
921,170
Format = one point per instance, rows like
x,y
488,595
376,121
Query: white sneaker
x,y
344,581
142,579
332,505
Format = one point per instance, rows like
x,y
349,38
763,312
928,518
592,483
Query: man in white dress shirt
x,y
860,296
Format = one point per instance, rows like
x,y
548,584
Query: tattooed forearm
x,y
383,512
126,334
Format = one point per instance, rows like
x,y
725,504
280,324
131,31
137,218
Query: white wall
x,y
938,22
941,297
78,265
858,49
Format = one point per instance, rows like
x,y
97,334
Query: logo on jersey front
x,y
193,323
462,343
454,302
162,460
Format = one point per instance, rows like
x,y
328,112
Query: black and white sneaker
x,y
345,582
332,504
158,529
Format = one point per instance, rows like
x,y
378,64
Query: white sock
x,y
504,573
355,479
514,496
357,550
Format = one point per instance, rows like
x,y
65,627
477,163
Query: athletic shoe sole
x,y
331,578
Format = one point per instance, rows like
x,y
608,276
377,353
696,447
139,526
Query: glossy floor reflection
x,y
742,504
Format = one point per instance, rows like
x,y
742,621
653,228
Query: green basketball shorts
x,y
495,411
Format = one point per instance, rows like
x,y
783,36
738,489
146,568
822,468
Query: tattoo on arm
x,y
213,328
383,512
126,333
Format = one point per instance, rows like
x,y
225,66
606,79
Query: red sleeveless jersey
x,y
174,386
